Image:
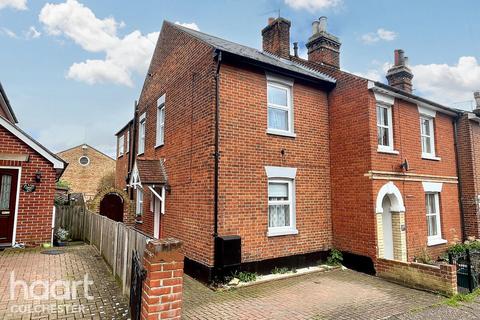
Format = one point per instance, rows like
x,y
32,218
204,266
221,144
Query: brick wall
x,y
34,219
121,164
85,179
441,279
183,68
469,165
246,149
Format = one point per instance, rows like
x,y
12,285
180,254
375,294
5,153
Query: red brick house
x,y
28,172
469,165
267,159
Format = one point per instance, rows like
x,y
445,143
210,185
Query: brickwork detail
x,y
163,287
85,178
441,279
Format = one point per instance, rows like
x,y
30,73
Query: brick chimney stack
x,y
276,37
323,47
476,95
399,75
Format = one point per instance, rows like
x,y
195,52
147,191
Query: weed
x,y
335,258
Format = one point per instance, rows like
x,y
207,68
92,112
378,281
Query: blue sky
x,y
73,68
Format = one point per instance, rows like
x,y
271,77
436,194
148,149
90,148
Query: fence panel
x,y
115,241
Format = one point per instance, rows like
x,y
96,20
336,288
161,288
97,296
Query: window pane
x,y
279,215
426,145
426,127
432,225
5,188
277,119
278,191
383,139
277,96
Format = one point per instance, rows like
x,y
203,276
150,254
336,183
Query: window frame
x,y
142,130
160,134
434,239
284,84
121,146
290,202
430,135
139,202
127,134
389,127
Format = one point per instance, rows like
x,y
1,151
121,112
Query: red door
x,y
8,200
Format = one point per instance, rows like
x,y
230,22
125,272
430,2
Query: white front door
x,y
156,219
387,229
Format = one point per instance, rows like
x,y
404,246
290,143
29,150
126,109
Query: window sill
x,y
120,156
430,157
278,233
281,133
159,145
436,242
140,154
380,150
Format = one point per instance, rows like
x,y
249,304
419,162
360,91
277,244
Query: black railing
x,y
468,268
138,275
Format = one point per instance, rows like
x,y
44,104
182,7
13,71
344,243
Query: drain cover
x,y
53,252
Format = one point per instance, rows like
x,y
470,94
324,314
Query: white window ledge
x,y
436,242
281,232
281,133
426,156
381,150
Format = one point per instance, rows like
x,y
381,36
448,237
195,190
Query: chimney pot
x,y
270,20
399,75
476,95
399,57
295,49
322,26
315,26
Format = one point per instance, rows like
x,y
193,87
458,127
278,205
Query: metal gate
x,y
138,275
468,269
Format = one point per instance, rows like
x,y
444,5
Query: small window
x,y
5,189
141,134
281,208
121,145
384,128
433,217
128,142
280,117
160,138
427,137
84,160
139,203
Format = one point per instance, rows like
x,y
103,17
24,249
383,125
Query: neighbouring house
x,y
393,162
257,159
86,168
28,173
469,165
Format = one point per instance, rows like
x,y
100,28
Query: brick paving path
x,y
330,295
76,261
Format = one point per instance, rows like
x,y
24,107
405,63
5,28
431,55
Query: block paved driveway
x,y
339,294
76,261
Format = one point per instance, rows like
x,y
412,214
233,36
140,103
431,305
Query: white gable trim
x,y
135,178
384,98
426,111
57,164
432,186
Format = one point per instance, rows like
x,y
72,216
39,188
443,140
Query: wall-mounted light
x,y
38,176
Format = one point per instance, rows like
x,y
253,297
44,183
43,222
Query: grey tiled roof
x,y
254,54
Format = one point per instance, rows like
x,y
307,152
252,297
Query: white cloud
x,y
123,56
9,33
442,83
32,33
191,25
448,83
380,34
15,4
313,5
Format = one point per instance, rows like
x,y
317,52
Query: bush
x,y
245,276
107,181
280,270
335,258
62,234
63,184
459,248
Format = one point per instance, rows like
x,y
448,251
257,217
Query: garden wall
x,y
441,279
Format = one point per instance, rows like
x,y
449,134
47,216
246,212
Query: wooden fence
x,y
114,240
